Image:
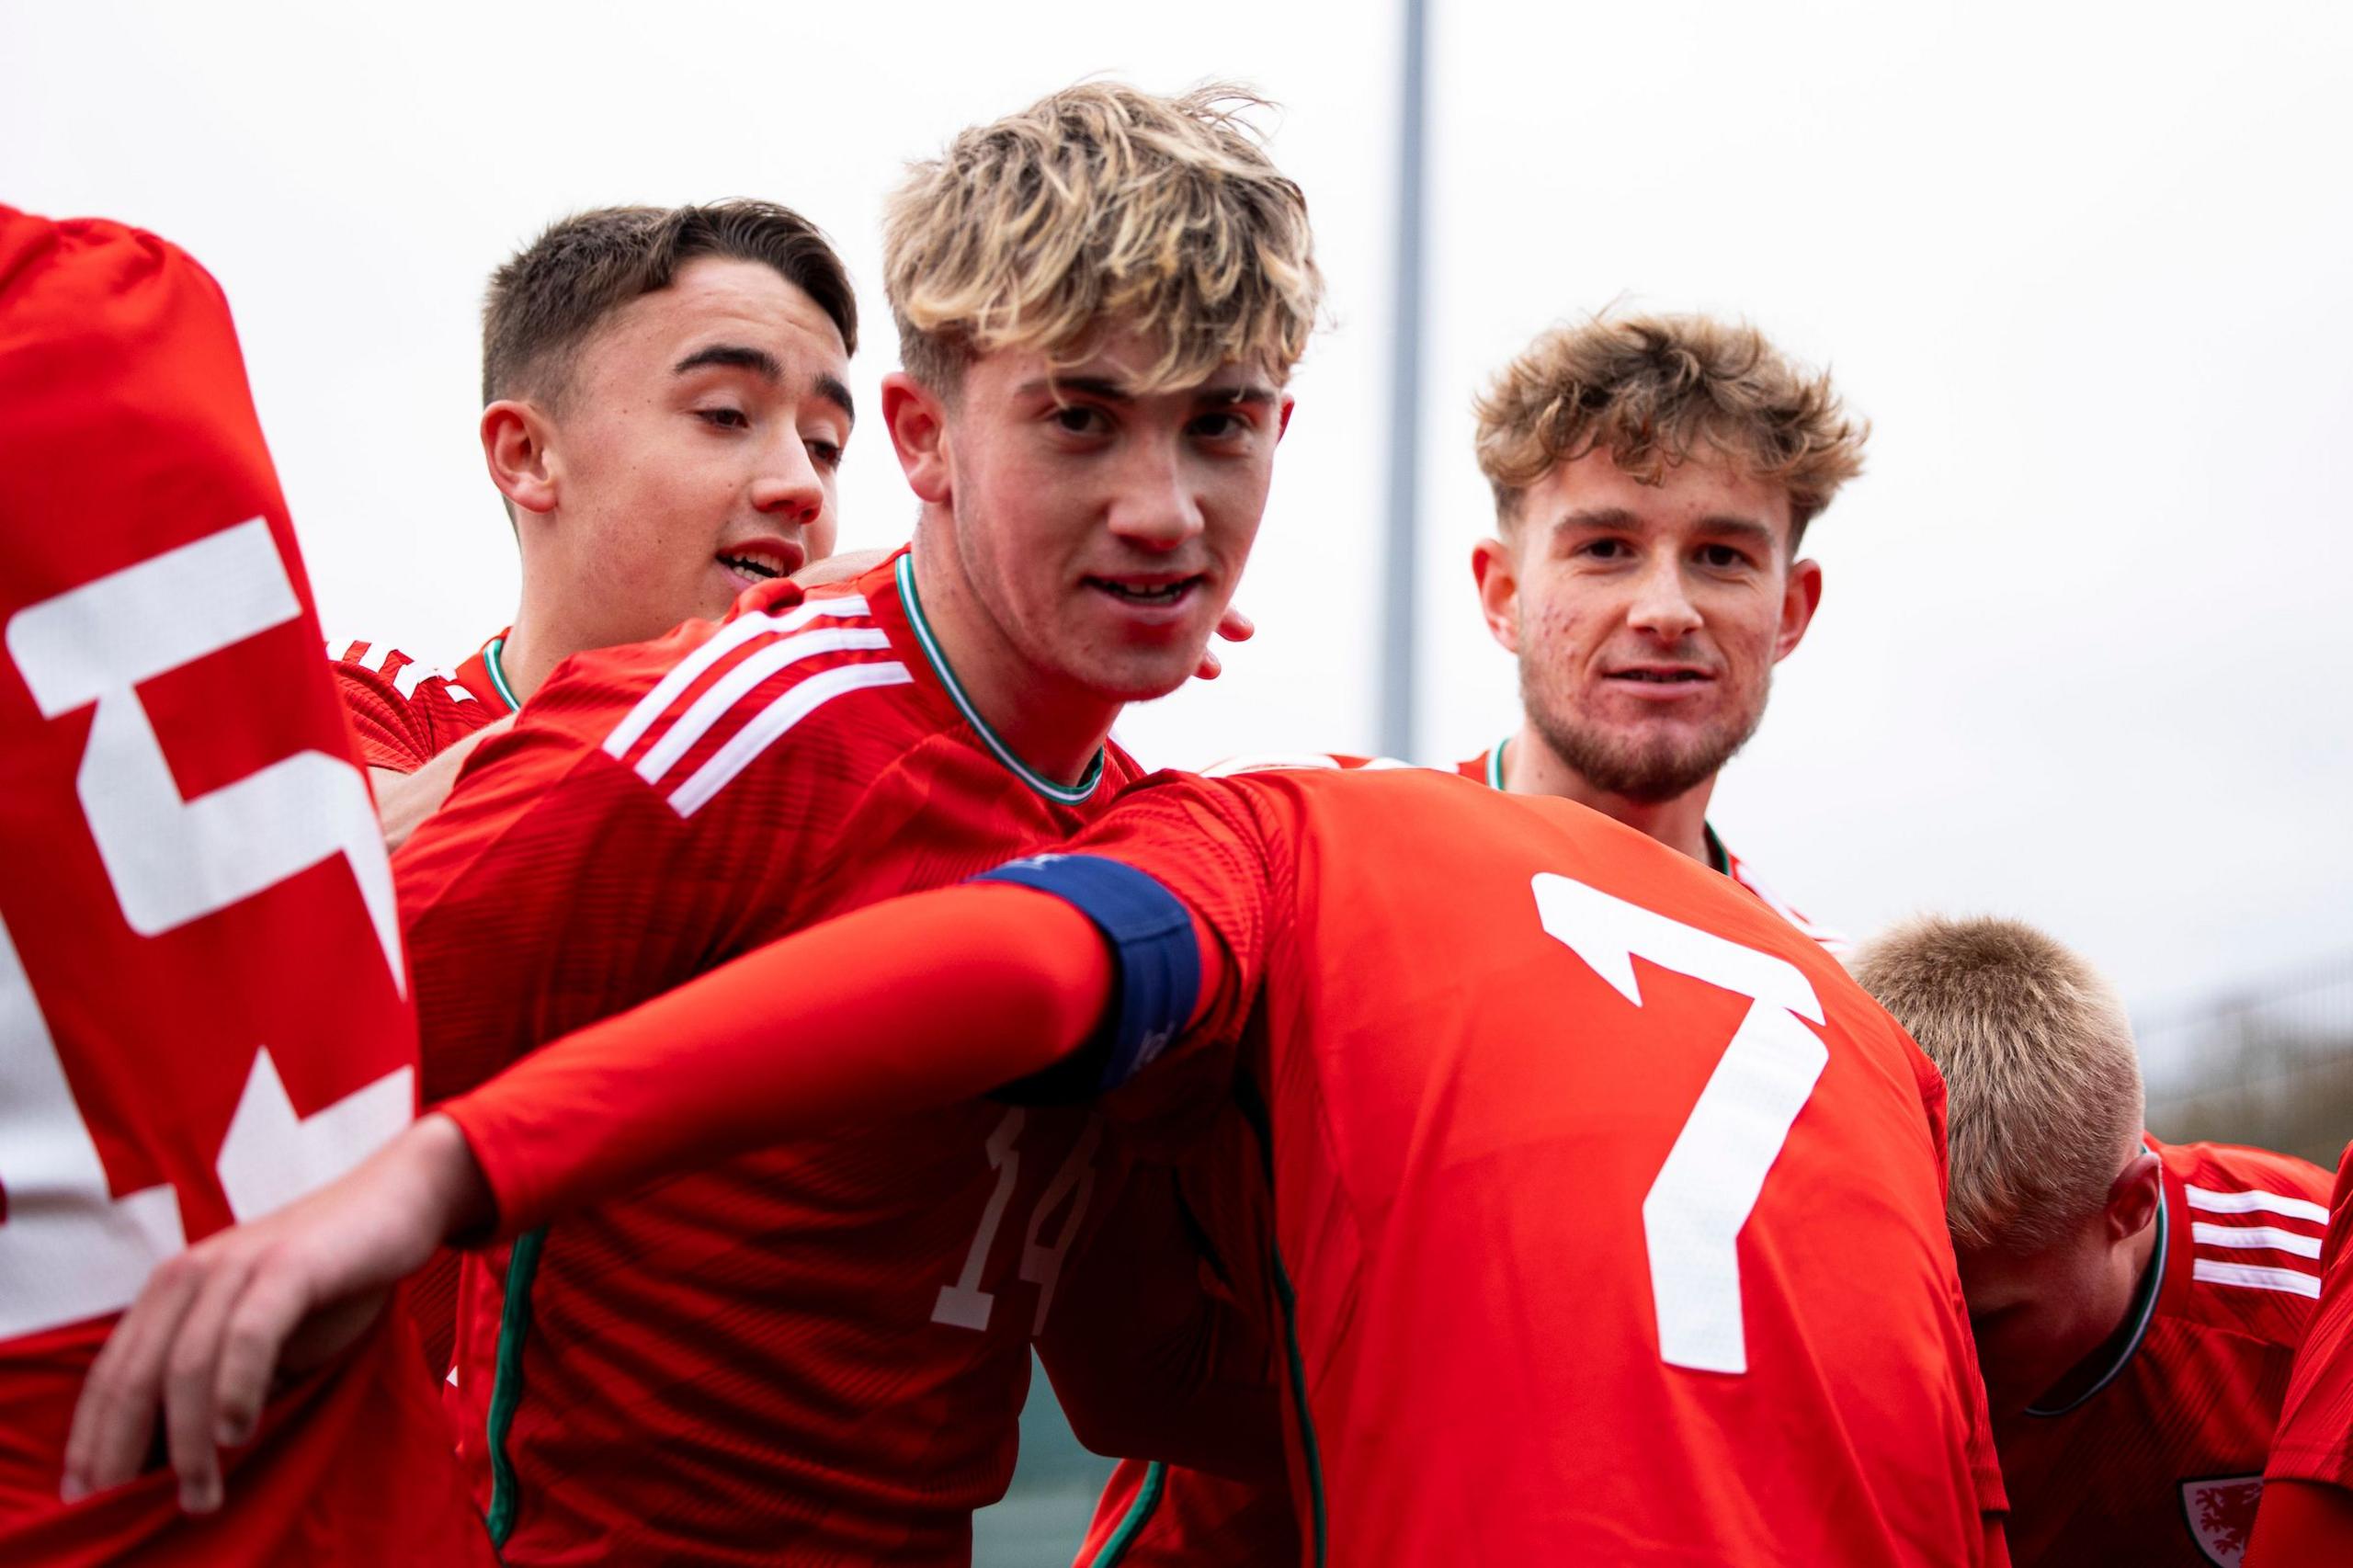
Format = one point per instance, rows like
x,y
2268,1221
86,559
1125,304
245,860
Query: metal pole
x,y
1397,629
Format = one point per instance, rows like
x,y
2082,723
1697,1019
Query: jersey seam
x,y
507,1383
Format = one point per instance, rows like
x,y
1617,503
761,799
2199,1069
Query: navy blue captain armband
x,y
1156,970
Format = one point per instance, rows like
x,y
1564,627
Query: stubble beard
x,y
1649,768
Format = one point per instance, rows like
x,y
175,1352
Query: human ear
x,y
918,424
517,449
1801,596
2135,1196
1496,572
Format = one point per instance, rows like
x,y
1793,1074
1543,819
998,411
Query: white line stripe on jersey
x,y
769,726
2272,1236
1270,762
2294,1281
724,641
413,673
725,693
2248,1202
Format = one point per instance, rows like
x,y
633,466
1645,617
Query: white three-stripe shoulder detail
x,y
774,721
2252,1276
729,689
2246,1237
2252,1201
723,641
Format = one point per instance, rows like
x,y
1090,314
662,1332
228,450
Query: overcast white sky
x,y
2084,651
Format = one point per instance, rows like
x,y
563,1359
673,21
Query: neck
x,y
2141,1253
538,643
1532,768
1051,723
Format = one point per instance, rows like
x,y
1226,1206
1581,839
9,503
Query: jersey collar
x,y
2144,1308
1719,859
497,669
1067,794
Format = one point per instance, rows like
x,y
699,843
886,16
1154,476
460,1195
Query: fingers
x,y
114,1421
252,1340
1210,666
1237,627
191,1430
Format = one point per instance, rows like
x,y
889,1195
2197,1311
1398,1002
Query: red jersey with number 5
x,y
816,1354
1608,1213
201,991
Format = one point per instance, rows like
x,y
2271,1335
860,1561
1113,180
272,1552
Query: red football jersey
x,y
1153,1515
1608,1213
2160,1462
817,1353
407,713
202,988
2315,1441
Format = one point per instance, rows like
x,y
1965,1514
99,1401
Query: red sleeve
x,y
2300,1523
909,1003
390,733
2314,1440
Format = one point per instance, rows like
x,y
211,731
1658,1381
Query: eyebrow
x,y
761,363
1619,518
1108,389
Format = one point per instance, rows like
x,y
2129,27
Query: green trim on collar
x,y
1139,1514
1496,763
1719,857
490,661
2144,1309
1068,794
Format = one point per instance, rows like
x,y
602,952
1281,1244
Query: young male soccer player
x,y
667,400
2307,1512
819,1352
202,1014
2136,1304
1654,479
1608,1210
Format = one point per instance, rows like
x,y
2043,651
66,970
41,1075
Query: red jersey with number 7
x,y
1608,1213
816,1354
202,992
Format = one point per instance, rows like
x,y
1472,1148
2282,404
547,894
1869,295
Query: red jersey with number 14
x,y
816,1354
1609,1212
201,1007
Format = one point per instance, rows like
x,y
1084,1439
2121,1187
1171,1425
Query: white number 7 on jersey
x,y
1705,1191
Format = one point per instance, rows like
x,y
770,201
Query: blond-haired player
x,y
2137,1304
1654,477
817,1353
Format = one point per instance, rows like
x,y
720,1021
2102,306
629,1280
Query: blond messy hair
x,y
2044,1086
1102,208
1653,391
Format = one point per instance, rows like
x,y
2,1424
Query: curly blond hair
x,y
1103,208
2044,1098
1653,391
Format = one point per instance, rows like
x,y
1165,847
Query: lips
x,y
762,559
1147,591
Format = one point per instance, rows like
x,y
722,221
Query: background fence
x,y
2271,1065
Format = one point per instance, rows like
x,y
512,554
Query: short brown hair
x,y
1653,390
1102,204
544,303
2044,1097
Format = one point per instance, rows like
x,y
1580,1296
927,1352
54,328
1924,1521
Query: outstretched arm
x,y
912,1004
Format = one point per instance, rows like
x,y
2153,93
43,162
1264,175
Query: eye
x,y
725,418
1724,557
1080,419
1219,426
1606,550
827,454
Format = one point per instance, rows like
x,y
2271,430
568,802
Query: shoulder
x,y
810,682
1830,940
2252,1226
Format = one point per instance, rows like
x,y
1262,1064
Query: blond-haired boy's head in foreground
x,y
2054,1194
1100,299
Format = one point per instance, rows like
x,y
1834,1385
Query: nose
x,y
1155,504
1663,606
788,485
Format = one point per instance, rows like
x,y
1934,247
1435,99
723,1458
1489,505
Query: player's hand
x,y
1234,627
839,568
207,1335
